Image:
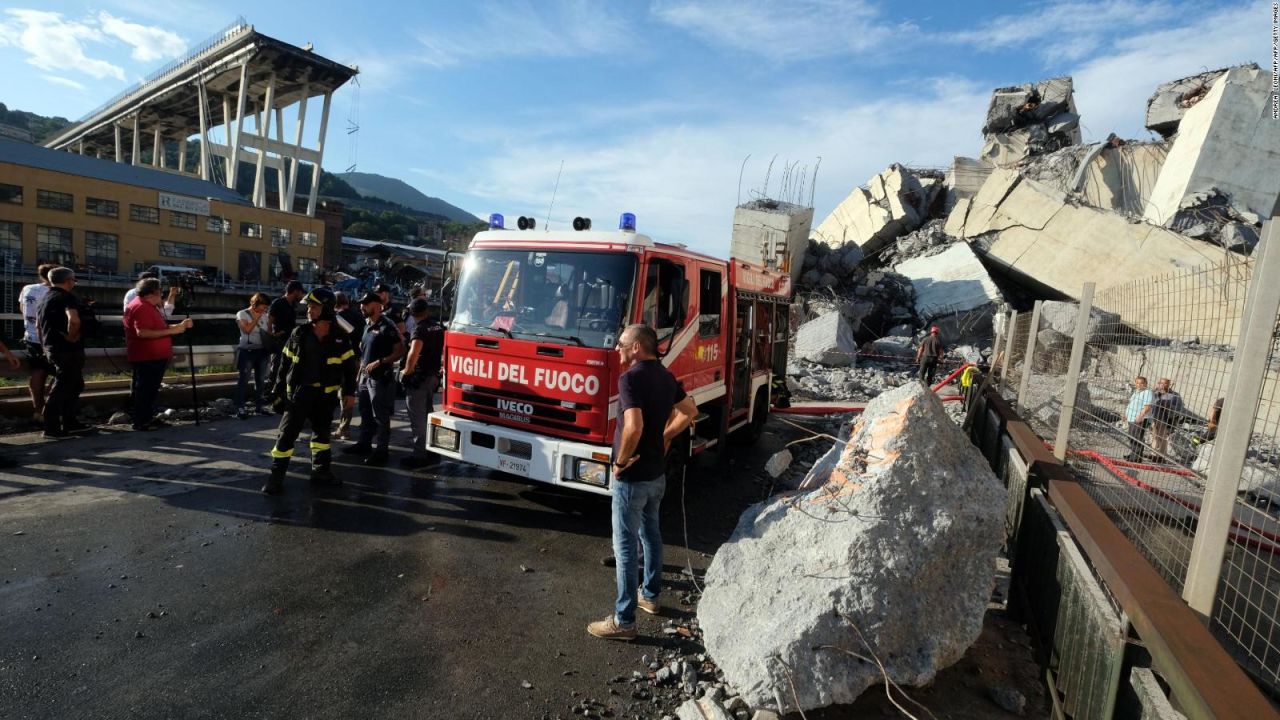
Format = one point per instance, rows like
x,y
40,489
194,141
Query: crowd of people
x,y
304,371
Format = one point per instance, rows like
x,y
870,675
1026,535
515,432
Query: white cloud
x,y
67,82
800,30
1112,89
568,28
54,44
149,43
1065,32
682,179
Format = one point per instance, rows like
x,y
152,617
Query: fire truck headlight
x,y
591,472
444,438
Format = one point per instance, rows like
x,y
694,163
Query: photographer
x,y
149,345
169,303
420,378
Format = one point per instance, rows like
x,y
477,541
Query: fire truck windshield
x,y
576,298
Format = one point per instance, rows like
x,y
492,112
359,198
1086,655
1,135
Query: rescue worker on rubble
x,y
317,367
929,354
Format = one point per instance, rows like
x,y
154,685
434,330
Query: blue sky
x,y
653,106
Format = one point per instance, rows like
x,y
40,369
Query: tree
x,y
364,230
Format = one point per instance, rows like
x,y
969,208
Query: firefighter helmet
x,y
325,298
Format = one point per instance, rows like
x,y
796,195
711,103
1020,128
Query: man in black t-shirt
x,y
420,378
59,325
380,348
653,410
282,318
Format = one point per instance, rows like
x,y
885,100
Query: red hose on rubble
x,y
1116,467
842,409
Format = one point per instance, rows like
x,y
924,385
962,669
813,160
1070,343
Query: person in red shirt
x,y
149,345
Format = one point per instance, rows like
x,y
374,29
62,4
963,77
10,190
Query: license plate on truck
x,y
515,467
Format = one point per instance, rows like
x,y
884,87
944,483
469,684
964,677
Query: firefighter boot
x,y
321,472
275,483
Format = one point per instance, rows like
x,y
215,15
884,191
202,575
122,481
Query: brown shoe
x,y
653,607
609,629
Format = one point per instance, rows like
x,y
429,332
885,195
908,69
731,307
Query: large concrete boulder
x,y
827,340
1060,317
900,541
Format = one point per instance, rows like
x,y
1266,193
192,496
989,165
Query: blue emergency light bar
x,y
627,222
495,222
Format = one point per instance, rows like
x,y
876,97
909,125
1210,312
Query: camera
x,y
186,283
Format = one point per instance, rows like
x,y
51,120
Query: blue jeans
x,y
635,518
251,360
377,400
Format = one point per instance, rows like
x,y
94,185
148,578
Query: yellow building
x,y
100,216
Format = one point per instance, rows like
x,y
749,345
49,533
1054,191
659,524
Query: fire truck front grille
x,y
539,411
519,448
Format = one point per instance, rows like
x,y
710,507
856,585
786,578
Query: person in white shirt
x,y
251,354
169,301
29,300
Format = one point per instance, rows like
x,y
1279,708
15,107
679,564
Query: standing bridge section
x,y
232,96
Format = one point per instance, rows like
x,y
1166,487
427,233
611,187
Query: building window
x,y
280,266
182,220
250,266
279,237
186,251
10,237
11,194
100,250
98,206
144,214
308,238
53,244
50,200
214,224
308,270
249,229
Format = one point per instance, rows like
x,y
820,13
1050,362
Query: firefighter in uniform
x,y
317,367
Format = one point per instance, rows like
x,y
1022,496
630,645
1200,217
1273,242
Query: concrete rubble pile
x,y
890,546
1031,119
1036,215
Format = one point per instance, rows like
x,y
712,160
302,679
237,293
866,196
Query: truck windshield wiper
x,y
570,338
504,331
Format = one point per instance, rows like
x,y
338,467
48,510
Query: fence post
x,y
1024,386
1073,372
1010,331
1248,371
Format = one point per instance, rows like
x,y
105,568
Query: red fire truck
x,y
531,373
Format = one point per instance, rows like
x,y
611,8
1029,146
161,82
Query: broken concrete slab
x,y
1038,237
778,463
1227,141
965,178
827,340
1104,176
902,553
1171,100
895,202
772,233
703,709
951,281
1030,119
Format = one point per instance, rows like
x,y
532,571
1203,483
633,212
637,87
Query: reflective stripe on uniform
x,y
341,358
319,447
333,388
289,353
281,453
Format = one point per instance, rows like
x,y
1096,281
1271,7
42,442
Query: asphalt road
x,y
144,576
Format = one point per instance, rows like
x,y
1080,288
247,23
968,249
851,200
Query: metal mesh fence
x,y
1157,365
